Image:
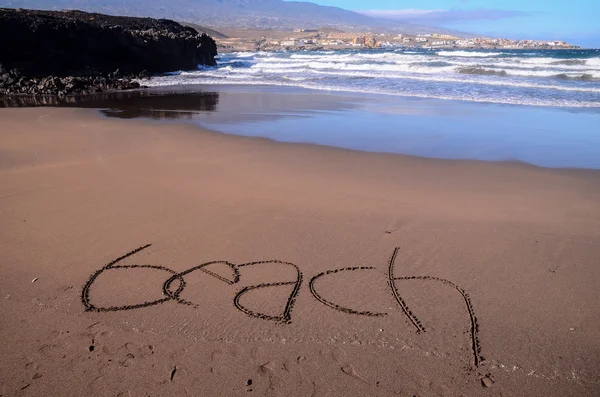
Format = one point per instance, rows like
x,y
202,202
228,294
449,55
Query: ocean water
x,y
554,78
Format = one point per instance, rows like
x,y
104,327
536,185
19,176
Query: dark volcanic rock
x,y
11,82
61,52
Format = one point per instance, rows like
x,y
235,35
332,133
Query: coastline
x,y
78,190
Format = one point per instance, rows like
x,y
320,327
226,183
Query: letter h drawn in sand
x,y
474,327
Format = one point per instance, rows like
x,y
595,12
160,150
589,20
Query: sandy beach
x,y
279,269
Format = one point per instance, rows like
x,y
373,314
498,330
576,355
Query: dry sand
x,y
513,247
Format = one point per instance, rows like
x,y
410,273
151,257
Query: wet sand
x,y
554,137
338,272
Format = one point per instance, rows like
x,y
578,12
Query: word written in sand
x,y
175,284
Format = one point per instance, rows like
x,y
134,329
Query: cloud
x,y
440,16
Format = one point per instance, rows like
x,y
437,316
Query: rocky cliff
x,y
62,52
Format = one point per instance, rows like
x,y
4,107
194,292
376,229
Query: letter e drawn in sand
x,y
176,295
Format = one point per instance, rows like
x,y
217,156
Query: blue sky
x,y
576,21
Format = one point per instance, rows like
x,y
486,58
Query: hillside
x,y
250,14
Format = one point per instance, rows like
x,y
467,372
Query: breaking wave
x,y
568,78
481,71
468,54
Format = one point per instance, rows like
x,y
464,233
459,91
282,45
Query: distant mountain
x,y
252,14
203,29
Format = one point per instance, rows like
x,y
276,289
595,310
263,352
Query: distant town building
x,y
371,42
375,40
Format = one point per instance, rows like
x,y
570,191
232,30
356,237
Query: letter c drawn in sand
x,y
335,306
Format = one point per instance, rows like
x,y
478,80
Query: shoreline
x,y
79,190
75,99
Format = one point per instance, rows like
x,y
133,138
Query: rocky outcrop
x,y
12,82
64,52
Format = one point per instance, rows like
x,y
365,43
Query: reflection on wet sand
x,y
128,104
209,106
